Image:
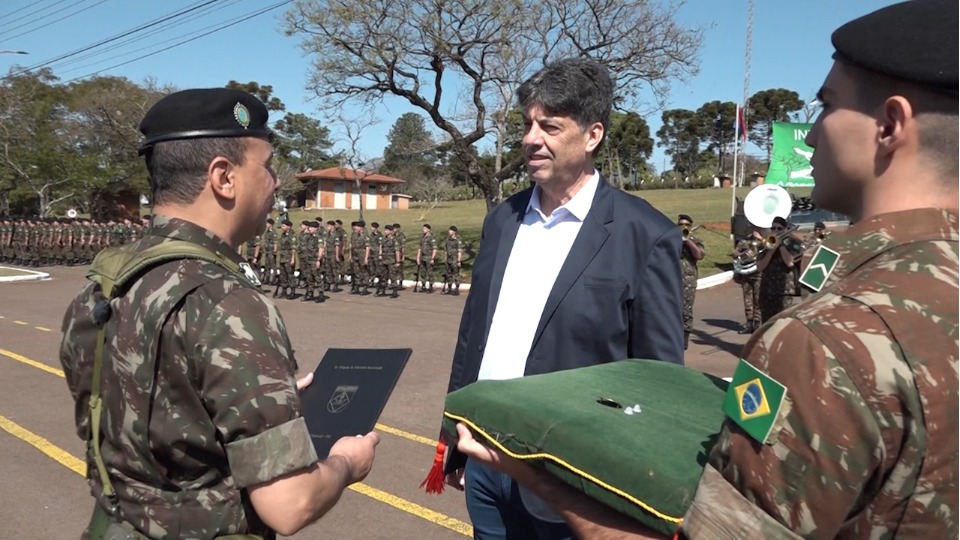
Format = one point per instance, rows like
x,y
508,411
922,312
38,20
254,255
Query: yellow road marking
x,y
406,435
78,466
20,322
59,455
43,328
412,508
32,363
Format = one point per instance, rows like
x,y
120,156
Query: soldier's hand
x,y
359,452
304,381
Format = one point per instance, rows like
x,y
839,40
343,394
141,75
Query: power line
x,y
67,16
34,12
222,27
18,10
122,35
68,63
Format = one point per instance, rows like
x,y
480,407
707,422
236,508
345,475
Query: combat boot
x,y
321,298
456,290
276,292
290,292
365,291
430,288
307,296
395,293
336,287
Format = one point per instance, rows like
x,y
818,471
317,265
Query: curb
x,y
32,275
714,280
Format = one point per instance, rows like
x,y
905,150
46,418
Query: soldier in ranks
x,y
426,256
376,238
390,255
251,251
332,252
454,259
342,257
266,254
285,252
310,262
359,259
6,227
300,274
402,243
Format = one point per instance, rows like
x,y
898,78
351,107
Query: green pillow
x,y
633,435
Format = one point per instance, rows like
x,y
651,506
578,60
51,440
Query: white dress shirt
x,y
542,245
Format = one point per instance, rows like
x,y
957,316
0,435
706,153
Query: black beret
x,y
204,112
313,224
361,223
453,228
389,227
270,221
287,222
684,217
354,223
375,225
909,41
305,222
427,226
331,222
339,222
819,225
396,225
780,220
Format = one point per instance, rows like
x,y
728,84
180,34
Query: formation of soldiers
x,y
319,258
36,242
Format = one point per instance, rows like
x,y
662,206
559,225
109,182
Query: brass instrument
x,y
685,231
774,240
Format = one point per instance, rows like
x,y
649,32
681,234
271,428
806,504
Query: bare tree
x,y
364,50
431,189
352,157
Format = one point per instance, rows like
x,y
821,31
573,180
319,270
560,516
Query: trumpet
x,y
823,235
685,231
774,240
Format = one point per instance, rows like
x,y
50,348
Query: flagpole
x,y
736,156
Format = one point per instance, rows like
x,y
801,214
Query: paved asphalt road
x,y
42,492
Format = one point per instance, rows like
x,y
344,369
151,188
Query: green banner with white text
x,y
790,158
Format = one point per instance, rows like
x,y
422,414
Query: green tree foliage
x,y
263,92
680,135
766,107
717,130
626,148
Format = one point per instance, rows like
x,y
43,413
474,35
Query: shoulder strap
x,y
114,269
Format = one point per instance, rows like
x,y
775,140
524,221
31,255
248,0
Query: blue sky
x,y
791,49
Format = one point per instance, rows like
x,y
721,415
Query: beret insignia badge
x,y
242,115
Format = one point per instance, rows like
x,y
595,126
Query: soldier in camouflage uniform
x,y
342,256
691,251
402,242
426,256
301,280
745,257
359,259
6,240
266,254
286,250
201,429
389,256
332,251
454,259
779,268
310,263
865,443
376,238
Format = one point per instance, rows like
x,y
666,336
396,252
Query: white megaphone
x,y
71,213
766,202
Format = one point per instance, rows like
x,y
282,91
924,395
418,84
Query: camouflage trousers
x,y
689,295
751,301
286,275
310,274
425,272
451,274
771,304
358,272
330,274
375,271
269,266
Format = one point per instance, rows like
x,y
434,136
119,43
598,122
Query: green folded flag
x,y
633,435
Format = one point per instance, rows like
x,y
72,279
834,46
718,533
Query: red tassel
x,y
434,479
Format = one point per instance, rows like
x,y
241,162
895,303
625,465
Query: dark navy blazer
x,y
617,296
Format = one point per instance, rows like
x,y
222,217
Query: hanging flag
x,y
740,125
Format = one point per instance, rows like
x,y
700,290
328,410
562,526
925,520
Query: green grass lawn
x,y
709,207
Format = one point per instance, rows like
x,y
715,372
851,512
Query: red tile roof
x,y
343,173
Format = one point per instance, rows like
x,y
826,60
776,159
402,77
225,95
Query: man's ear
x,y
221,178
896,116
594,137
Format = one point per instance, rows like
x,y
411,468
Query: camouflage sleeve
x,y
826,446
247,385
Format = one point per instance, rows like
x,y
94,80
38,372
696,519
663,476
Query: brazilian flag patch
x,y
753,401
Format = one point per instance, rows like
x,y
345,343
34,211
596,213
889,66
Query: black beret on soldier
x,y
204,112
910,41
685,217
270,221
287,222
